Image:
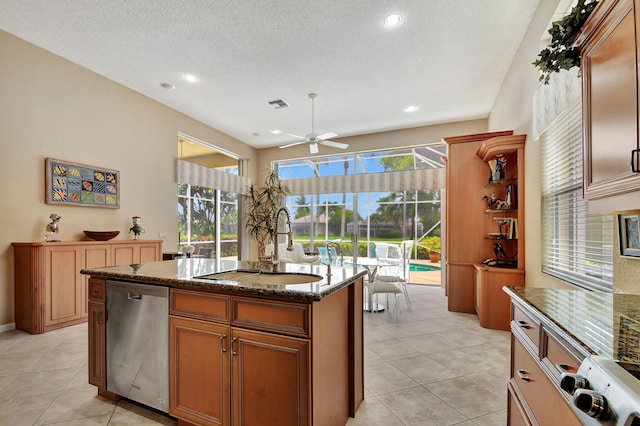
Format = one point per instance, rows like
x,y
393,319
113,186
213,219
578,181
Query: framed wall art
x,y
628,225
81,185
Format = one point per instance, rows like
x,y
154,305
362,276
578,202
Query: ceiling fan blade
x,y
327,135
295,136
292,144
335,144
313,148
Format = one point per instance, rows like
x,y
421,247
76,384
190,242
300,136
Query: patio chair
x,y
395,259
387,288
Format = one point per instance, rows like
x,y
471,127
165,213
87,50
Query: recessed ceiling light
x,y
392,20
190,78
275,131
411,108
168,86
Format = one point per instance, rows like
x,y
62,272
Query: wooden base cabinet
x,y
535,397
97,333
51,293
270,379
492,304
200,371
238,360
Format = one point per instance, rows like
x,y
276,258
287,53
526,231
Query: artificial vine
x,y
560,54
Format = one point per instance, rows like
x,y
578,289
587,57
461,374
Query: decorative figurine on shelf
x,y
136,228
501,166
498,250
52,228
494,203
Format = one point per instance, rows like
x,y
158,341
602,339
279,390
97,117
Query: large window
x,y
207,217
208,220
576,247
373,214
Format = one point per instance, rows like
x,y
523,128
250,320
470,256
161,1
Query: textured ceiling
x,y
448,58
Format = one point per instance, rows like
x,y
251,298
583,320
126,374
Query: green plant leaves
x,y
560,54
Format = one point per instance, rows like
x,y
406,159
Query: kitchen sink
x,y
256,277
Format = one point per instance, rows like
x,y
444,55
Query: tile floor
x,y
432,367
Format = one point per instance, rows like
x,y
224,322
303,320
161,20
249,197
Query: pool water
x,y
420,267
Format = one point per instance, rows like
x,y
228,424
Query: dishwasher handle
x,y
131,296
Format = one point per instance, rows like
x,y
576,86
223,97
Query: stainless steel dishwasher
x,y
138,342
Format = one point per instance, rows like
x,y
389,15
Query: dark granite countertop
x,y
605,324
184,273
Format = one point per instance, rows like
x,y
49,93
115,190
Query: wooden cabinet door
x,y
63,285
97,349
610,111
270,379
199,371
125,254
97,256
150,252
136,252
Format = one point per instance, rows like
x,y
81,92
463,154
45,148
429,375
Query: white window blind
x,y
576,247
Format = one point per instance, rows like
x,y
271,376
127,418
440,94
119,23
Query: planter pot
x,y
434,257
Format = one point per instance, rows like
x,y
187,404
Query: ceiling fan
x,y
313,139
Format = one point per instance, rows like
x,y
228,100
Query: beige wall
x,y
513,109
50,107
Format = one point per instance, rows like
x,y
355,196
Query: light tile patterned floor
x,y
432,367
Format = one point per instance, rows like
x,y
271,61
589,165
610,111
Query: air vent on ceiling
x,y
278,103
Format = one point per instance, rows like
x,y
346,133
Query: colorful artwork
x,y
81,185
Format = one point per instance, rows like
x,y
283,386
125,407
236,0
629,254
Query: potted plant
x,y
560,54
261,204
434,256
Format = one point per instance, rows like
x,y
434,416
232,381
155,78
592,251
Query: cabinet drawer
x,y
97,289
545,400
527,324
198,304
557,354
280,317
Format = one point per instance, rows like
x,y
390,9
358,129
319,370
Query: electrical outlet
x,y
162,235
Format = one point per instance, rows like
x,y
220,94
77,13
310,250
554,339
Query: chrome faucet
x,y
328,245
275,259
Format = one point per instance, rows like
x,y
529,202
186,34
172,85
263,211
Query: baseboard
x,y
7,327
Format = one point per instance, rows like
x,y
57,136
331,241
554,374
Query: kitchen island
x,y
554,333
247,346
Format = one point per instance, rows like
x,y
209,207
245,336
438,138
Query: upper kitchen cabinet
x,y
609,48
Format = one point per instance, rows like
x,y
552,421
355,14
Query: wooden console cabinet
x,y
51,293
472,229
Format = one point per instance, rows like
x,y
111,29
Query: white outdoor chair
x,y
394,261
387,288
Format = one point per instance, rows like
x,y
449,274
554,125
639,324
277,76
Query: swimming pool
x,y
421,267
